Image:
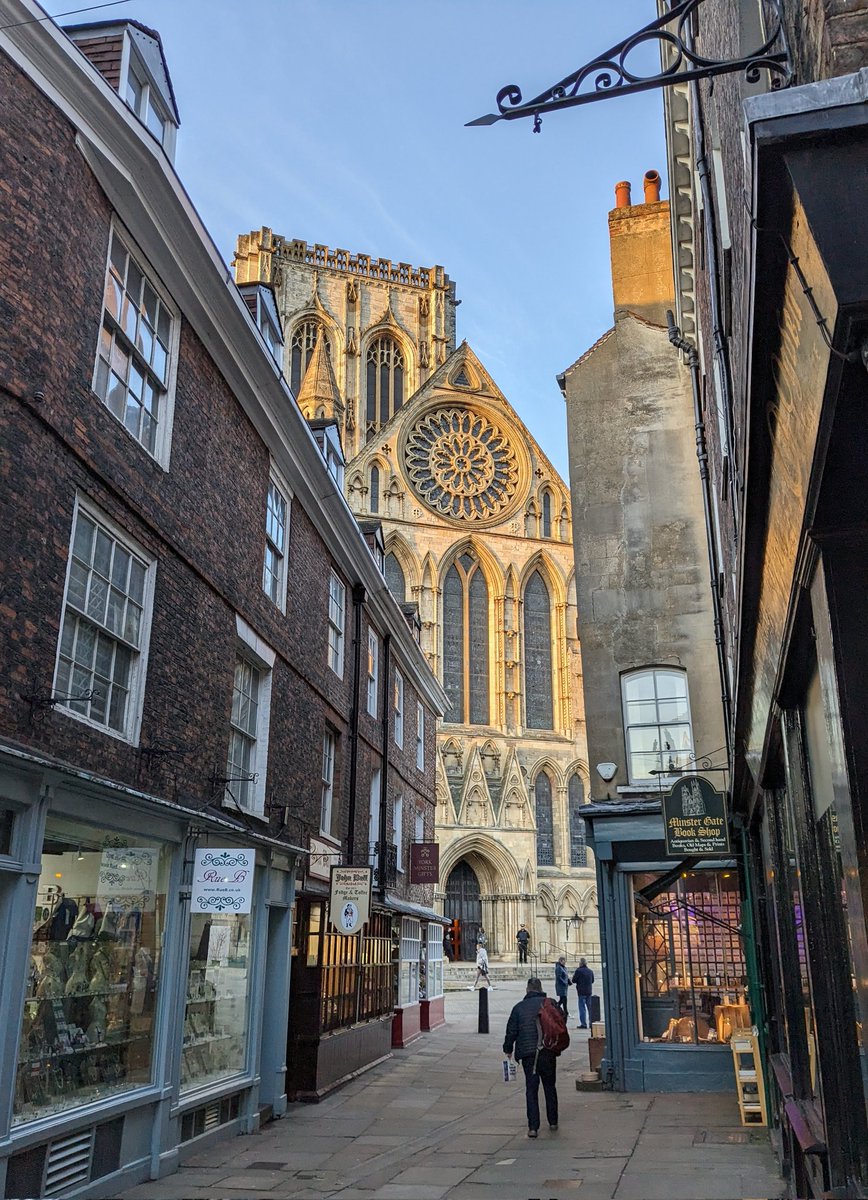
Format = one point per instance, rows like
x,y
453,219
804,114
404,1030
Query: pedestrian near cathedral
x,y
481,968
540,1066
562,983
523,938
583,978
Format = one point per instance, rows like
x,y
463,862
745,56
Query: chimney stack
x,y
641,249
651,183
622,194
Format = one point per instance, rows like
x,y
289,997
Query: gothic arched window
x,y
384,381
465,642
578,845
301,344
539,708
395,581
545,836
547,515
374,493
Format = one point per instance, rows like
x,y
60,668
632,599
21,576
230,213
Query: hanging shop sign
x,y
350,898
694,819
424,862
223,881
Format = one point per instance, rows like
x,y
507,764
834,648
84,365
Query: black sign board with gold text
x,y
694,820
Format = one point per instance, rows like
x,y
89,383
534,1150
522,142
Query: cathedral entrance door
x,y
463,901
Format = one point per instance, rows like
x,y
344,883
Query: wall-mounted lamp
x,y
575,919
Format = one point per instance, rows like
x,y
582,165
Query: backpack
x,y
552,1027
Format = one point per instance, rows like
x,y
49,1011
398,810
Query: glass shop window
x,y
218,998
690,959
434,981
411,949
88,1026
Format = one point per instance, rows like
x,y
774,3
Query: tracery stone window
x,y
301,346
539,707
545,836
374,493
395,581
578,844
384,381
547,514
465,642
461,464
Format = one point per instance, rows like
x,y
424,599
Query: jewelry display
x,y
215,1023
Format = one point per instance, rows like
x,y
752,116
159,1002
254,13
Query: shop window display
x,y
434,977
218,994
411,948
88,1023
690,959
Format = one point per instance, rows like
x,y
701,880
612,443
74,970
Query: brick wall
x,y
202,521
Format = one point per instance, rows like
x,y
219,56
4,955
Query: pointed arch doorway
x,y
463,901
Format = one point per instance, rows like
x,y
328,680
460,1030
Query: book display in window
x,y
215,1019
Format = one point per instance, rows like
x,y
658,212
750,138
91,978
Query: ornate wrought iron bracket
x,y
42,702
611,75
148,755
696,762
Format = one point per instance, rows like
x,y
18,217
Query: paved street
x,y
437,1121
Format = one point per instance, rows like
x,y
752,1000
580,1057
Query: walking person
x,y
481,968
523,938
583,978
562,983
539,1065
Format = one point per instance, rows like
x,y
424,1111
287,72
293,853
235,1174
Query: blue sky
x,y
342,122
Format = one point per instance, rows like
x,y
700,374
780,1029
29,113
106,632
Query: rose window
x,y
461,464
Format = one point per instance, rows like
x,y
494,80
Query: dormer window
x,y
259,298
141,99
329,441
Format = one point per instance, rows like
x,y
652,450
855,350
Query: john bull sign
x,y
350,898
694,820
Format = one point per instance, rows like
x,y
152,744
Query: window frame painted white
x,y
398,708
138,665
398,831
327,774
420,735
336,627
111,326
409,967
281,575
259,655
659,723
374,830
373,671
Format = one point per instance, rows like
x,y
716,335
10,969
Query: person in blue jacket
x,y
562,983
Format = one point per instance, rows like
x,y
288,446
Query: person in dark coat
x,y
539,1066
562,983
583,978
522,937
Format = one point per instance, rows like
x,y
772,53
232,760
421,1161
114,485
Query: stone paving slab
x,y
436,1122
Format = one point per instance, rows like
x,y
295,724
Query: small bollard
x,y
482,1027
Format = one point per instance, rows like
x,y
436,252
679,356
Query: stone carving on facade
x,y
423,306
460,464
352,291
424,353
352,344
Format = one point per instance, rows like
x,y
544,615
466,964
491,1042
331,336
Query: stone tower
x,y
478,535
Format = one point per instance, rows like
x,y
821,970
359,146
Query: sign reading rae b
x,y
424,862
694,819
350,898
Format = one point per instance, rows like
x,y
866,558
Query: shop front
x,y
134,1019
675,976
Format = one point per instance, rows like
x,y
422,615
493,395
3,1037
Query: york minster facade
x,y
477,532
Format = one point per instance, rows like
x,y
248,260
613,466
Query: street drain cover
x,y
265,1166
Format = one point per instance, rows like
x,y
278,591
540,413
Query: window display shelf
x,y
206,1041
118,989
91,1048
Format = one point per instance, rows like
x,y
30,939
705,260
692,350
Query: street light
x,y
575,919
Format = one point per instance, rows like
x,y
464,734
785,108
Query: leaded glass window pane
x,y
657,724
453,644
384,380
301,347
395,580
539,708
547,515
374,494
545,838
478,657
578,845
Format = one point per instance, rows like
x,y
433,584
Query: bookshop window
x,y
690,959
218,993
98,928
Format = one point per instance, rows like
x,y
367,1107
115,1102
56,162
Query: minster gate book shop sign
x,y
694,819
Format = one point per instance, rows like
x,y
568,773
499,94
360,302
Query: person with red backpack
x,y
536,1033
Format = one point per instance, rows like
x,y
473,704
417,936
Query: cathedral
x,y
477,533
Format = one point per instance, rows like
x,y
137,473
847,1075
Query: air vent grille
x,y
212,1116
68,1163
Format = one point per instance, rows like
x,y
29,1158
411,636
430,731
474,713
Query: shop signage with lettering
x,y
694,819
424,862
350,898
223,881
321,859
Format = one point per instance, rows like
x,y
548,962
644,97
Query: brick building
x,y
200,658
